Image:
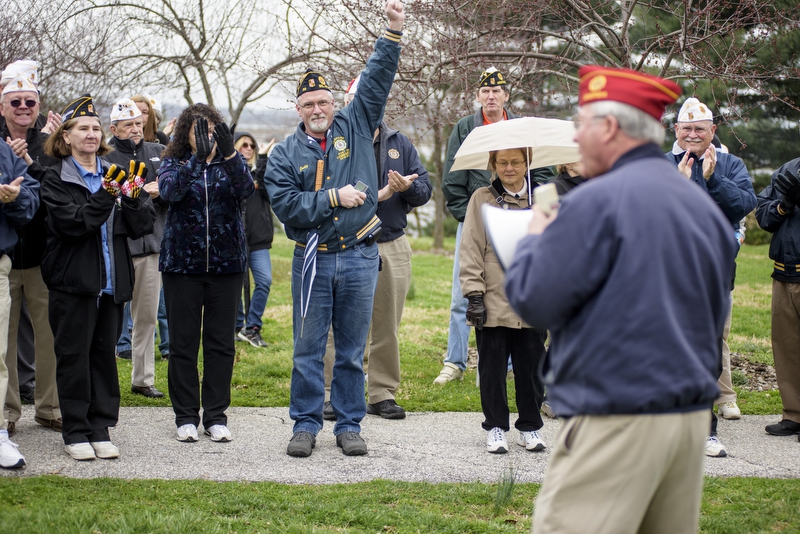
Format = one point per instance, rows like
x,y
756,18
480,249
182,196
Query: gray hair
x,y
297,98
634,122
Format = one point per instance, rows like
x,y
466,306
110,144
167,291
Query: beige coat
x,y
480,268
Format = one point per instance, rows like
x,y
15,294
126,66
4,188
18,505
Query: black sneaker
x,y
327,412
387,409
253,336
301,444
124,355
784,428
352,444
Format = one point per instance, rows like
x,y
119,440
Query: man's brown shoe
x,y
54,424
12,428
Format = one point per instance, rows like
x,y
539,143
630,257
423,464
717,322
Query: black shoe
x,y
301,444
27,397
124,355
327,412
253,336
147,391
165,355
352,444
387,409
784,428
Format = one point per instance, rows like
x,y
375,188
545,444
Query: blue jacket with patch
x,y
24,207
294,164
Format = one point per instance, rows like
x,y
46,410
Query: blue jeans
x,y
341,295
259,263
458,337
124,342
163,328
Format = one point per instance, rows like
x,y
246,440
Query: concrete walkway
x,y
431,447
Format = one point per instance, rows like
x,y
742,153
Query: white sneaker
x,y
714,448
105,449
729,410
530,440
496,441
448,373
548,410
10,457
80,451
219,433
187,433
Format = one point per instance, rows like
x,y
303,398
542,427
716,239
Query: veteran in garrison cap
x,y
635,299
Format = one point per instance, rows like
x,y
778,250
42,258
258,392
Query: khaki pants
x,y
382,354
724,383
5,309
624,474
144,314
786,345
29,282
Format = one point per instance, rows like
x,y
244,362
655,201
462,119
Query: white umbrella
x,y
549,142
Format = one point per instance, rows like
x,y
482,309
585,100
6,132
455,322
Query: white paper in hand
x,y
505,229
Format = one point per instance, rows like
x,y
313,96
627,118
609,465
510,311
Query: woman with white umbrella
x,y
498,330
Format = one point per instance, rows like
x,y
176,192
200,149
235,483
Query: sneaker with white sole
x,y
548,410
715,448
105,449
729,410
187,433
531,440
10,458
80,451
496,441
448,373
218,433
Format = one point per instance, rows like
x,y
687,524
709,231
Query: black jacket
x,y
259,228
784,248
73,261
565,183
395,152
150,154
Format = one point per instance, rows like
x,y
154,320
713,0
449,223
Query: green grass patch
x,y
54,504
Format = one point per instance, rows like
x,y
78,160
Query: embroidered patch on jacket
x,y
340,145
302,168
393,153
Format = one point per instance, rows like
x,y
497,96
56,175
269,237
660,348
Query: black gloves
x,y
224,138
476,311
788,185
201,140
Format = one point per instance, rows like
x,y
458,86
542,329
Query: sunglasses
x,y
28,103
248,145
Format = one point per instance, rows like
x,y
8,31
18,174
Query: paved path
x,y
431,447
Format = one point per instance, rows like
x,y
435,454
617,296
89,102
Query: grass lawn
x,y
261,378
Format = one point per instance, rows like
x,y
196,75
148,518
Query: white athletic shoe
x,y
715,448
80,451
10,457
729,410
531,440
218,433
105,449
496,441
187,433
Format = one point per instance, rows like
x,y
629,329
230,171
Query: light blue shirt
x,y
94,181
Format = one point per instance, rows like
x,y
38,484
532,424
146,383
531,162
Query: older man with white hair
x,y
726,179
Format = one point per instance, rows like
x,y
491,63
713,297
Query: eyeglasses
x,y
308,106
578,123
29,103
248,145
697,130
516,164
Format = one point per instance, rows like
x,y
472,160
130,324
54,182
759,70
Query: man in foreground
x,y
631,278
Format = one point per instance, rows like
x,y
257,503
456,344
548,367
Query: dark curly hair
x,y
179,146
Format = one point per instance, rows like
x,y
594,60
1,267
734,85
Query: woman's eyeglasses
x,y
29,103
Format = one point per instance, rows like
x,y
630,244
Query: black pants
x,y
526,346
85,331
207,304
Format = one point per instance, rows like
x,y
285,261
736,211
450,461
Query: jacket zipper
x,y
208,237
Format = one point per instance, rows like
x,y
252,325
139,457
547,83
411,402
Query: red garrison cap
x,y
642,91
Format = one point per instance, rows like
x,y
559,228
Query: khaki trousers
x,y
144,314
5,309
724,383
786,345
623,474
29,283
382,353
